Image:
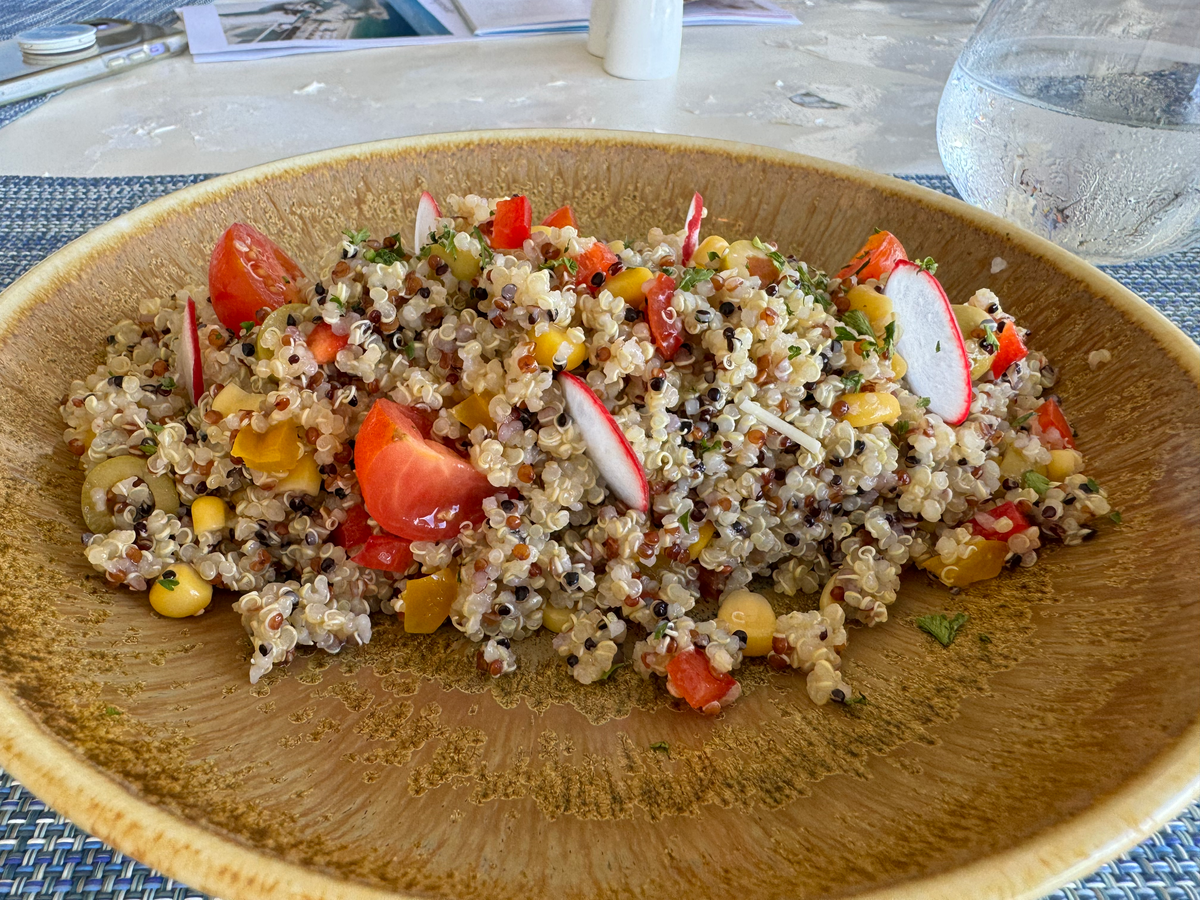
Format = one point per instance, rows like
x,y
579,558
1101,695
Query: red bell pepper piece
x,y
691,677
1012,348
561,218
1055,431
876,257
984,522
592,266
512,224
665,326
385,552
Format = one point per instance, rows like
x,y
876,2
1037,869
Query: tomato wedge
x,y
561,218
324,344
691,677
984,522
248,273
353,533
875,258
593,265
1055,430
665,327
1011,348
385,552
415,487
511,226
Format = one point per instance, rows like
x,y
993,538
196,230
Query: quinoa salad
x,y
513,427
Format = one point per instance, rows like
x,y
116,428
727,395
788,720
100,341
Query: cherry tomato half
x,y
248,273
1011,349
413,486
987,530
665,327
353,533
385,552
691,677
512,224
875,258
595,260
1055,430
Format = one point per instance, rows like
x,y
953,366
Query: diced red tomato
x,y
353,533
665,326
595,260
691,677
512,224
1012,348
386,552
984,522
1055,431
561,218
248,273
415,487
324,344
876,257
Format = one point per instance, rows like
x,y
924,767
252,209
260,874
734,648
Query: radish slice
x,y
930,342
692,238
191,369
427,216
607,446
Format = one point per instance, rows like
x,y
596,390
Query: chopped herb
x,y
111,711
928,265
168,584
985,639
937,348
485,254
149,447
793,352
661,746
692,277
775,256
1115,515
1093,486
661,630
168,383
247,327
889,338
852,381
902,428
356,237
387,256
989,342
566,261
866,262
606,675
845,335
858,320
705,446
154,427
860,700
1021,421
923,403
685,522
945,630
713,255
789,287
410,350
1036,480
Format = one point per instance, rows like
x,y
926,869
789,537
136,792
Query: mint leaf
x,y
943,629
1037,481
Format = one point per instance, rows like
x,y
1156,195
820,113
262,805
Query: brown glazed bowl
x,y
986,769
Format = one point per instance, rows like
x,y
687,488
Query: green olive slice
x,y
278,321
113,471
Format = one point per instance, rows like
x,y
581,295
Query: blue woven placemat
x,y
44,856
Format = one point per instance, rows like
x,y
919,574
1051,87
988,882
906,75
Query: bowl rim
x,y
206,860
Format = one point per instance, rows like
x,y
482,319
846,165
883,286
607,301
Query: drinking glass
x,y
1080,121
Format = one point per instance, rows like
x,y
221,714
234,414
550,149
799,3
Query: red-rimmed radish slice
x,y
427,216
191,368
930,342
607,446
691,238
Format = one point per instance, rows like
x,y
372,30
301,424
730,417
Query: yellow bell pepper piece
x,y
463,264
556,619
556,348
209,514
707,530
984,560
304,478
473,411
180,592
427,601
627,284
703,257
1064,463
233,399
749,612
275,450
871,408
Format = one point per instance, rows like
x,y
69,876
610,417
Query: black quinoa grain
x,y
742,637
521,592
657,384
631,314
503,642
424,292
589,644
839,695
327,564
727,308
507,505
168,575
791,540
508,291
598,279
563,420
264,650
660,608
247,349
319,289
572,660
504,610
571,579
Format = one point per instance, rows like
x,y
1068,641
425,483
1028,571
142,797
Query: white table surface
x,y
885,61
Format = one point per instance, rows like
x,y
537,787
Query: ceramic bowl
x,y
986,769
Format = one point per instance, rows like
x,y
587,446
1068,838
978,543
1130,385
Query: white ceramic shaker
x,y
598,20
643,39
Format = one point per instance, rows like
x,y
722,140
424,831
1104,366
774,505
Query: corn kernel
x,y
1063,463
209,514
473,411
871,408
427,601
750,612
627,284
984,560
180,592
875,306
304,478
463,264
233,399
739,255
556,619
899,366
704,258
707,530
275,450
557,348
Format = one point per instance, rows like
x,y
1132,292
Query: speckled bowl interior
x,y
987,769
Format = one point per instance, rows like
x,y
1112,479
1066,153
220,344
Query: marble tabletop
x,y
857,81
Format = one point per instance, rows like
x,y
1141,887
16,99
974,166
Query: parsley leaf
x,y
661,746
845,335
168,584
168,383
154,428
410,350
858,320
889,338
1092,484
928,265
1021,421
685,522
692,277
1115,515
902,428
564,261
606,675
247,327
923,403
775,256
485,255
356,237
149,447
705,446
794,351
661,629
943,629
852,381
1036,480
